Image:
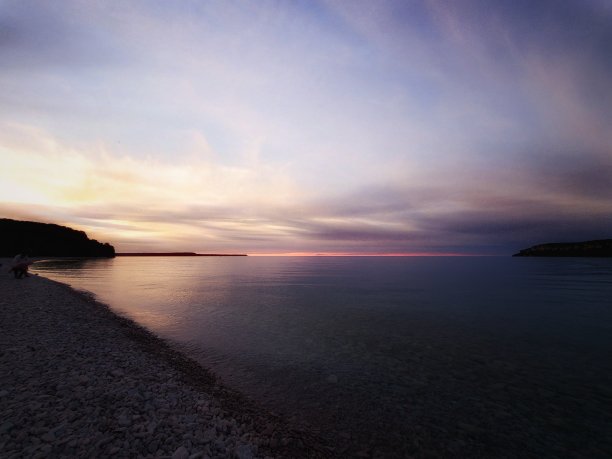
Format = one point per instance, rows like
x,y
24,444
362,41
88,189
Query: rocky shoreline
x,y
76,380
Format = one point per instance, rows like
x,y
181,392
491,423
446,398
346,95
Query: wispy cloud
x,y
328,126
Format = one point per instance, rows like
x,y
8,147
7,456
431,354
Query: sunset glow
x,y
325,127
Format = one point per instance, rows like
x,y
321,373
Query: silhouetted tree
x,y
48,240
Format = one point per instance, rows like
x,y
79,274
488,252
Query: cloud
x,y
139,204
356,126
135,195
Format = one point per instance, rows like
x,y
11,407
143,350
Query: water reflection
x,y
401,355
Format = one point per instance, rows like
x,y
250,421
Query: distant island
x,y
598,248
178,254
48,240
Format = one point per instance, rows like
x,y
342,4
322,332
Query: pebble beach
x,y
76,380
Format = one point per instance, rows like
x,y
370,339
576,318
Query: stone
x,y
209,435
243,452
48,437
180,453
96,394
333,379
153,446
124,421
219,445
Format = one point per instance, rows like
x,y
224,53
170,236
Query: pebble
x,y
48,437
153,446
123,421
74,384
181,453
243,452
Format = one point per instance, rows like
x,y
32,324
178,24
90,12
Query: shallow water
x,y
456,357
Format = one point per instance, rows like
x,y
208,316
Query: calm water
x,y
393,357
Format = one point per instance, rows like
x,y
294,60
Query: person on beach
x,y
20,266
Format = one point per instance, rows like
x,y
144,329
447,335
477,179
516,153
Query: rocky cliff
x,y
48,240
599,248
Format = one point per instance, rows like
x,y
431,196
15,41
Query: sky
x,y
274,126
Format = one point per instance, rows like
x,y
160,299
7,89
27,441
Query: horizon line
x,y
310,254
357,254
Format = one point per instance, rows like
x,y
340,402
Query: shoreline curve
x,y
79,379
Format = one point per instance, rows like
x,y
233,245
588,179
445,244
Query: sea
x,y
390,356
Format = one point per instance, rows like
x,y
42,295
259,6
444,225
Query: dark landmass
x,y
178,254
598,248
48,240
